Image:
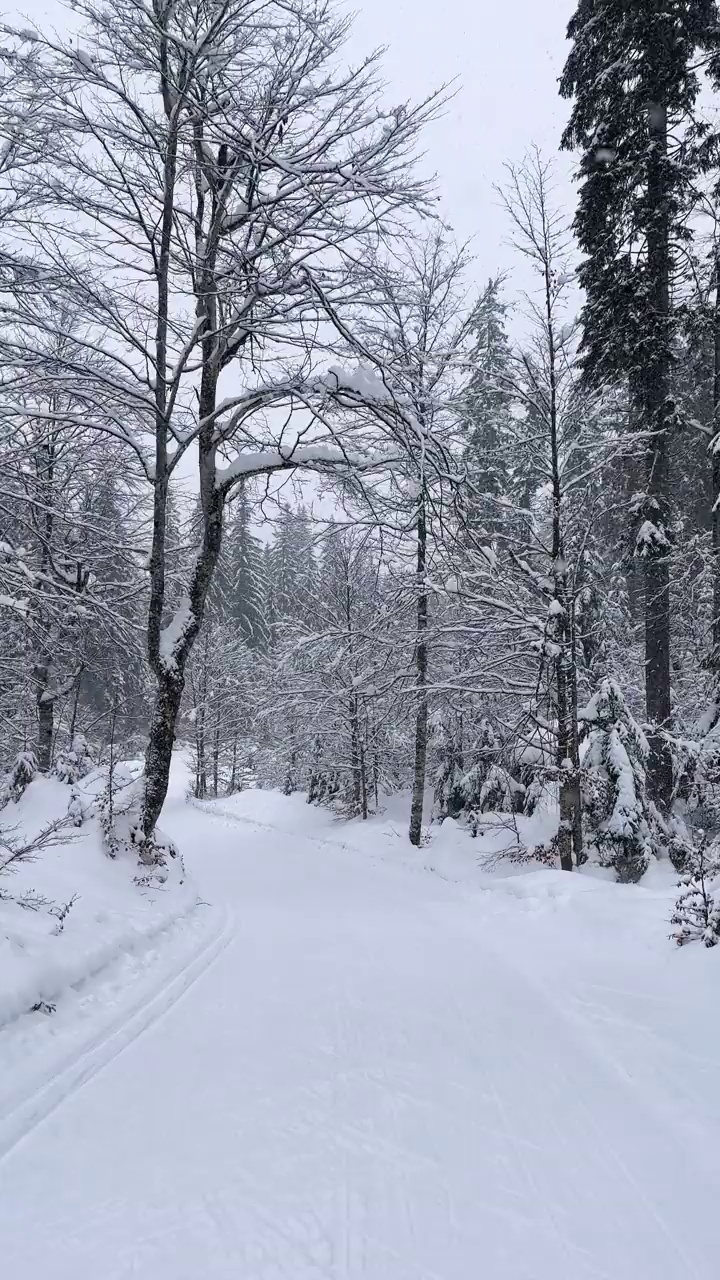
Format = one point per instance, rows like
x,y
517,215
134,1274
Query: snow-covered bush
x,y
76,809
617,814
19,776
697,910
75,762
487,786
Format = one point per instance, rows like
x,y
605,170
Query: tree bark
x,y
169,669
568,759
158,756
216,759
715,448
657,412
421,668
46,724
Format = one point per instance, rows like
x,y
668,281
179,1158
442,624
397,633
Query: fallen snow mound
x,y
43,954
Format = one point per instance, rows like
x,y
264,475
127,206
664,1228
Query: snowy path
x,y
362,1083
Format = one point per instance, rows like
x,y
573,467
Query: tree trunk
x,y
233,773
421,667
76,705
363,783
715,448
657,413
570,824
46,718
355,755
169,670
216,759
160,745
575,799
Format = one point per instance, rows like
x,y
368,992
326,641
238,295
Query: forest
x,y
281,486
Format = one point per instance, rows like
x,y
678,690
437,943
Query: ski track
x,y
21,1113
355,1079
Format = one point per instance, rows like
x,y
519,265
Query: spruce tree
x,y
619,820
243,573
697,910
488,406
633,74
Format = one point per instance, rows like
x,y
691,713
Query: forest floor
x,y
355,1060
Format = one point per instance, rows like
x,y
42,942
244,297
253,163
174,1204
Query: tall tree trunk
x,y
715,448
46,725
169,669
233,772
575,799
76,705
421,669
160,745
657,413
355,754
363,783
570,824
216,758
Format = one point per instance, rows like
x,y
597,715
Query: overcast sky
x,y
504,56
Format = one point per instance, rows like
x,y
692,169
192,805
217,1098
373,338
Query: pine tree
x,y
633,75
293,570
697,910
488,406
243,577
615,805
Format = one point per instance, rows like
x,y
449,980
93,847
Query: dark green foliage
x,y
243,576
487,409
697,910
632,66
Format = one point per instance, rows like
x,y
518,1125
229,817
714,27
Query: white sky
x,y
505,57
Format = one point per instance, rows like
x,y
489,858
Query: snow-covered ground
x,y
362,1060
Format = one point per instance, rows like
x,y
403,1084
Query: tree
x,y
420,338
334,684
544,384
488,408
243,587
696,916
69,584
217,174
633,74
619,817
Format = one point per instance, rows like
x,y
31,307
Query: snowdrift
x,y
109,914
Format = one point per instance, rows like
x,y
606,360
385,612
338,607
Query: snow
x,y
386,1062
650,537
172,635
266,460
111,916
364,381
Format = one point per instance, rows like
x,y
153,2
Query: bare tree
x,y
418,337
216,178
546,384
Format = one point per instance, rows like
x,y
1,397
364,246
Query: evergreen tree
x,y
488,405
616,808
293,570
697,909
243,577
632,72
